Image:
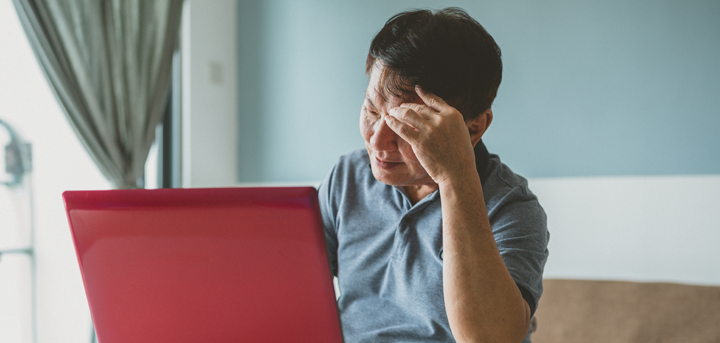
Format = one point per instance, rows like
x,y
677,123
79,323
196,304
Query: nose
x,y
384,138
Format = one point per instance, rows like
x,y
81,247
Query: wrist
x,y
462,177
462,185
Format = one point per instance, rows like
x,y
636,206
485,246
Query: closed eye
x,y
371,111
370,106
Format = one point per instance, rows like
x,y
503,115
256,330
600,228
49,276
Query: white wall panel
x,y
657,228
209,93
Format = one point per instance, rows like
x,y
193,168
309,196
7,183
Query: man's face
x,y
392,159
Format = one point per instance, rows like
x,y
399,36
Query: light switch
x,y
215,73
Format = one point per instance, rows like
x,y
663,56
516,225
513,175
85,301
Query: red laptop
x,y
204,265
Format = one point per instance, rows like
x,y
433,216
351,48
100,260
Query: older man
x,y
432,238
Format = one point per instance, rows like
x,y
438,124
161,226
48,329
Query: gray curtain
x,y
109,64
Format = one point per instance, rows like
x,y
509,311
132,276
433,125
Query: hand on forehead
x,y
387,93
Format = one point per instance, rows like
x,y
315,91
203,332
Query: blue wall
x,y
590,88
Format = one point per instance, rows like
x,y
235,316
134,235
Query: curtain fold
x,y
108,63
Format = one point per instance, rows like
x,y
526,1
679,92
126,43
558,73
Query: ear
x,y
479,125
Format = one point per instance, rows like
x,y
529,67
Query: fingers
x,y
431,100
410,121
422,111
409,115
432,104
405,131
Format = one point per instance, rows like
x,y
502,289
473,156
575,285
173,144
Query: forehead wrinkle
x,y
397,100
368,98
380,86
380,90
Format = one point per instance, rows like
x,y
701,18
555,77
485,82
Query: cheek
x,y
406,149
366,128
415,168
408,154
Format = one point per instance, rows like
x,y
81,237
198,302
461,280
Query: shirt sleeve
x,y
328,213
519,226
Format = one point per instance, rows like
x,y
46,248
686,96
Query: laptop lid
x,y
204,265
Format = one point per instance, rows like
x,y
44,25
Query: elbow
x,y
499,336
506,329
495,336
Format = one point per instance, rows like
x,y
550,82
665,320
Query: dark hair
x,y
446,52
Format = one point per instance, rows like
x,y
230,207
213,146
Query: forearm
x,y
483,302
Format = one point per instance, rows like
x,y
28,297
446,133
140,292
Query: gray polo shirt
x,y
388,253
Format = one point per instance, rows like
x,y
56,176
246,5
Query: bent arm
x,y
482,300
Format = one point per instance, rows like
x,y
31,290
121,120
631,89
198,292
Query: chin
x,y
382,177
388,178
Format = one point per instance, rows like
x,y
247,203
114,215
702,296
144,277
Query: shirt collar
x,y
482,161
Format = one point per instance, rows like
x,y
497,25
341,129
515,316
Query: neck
x,y
417,193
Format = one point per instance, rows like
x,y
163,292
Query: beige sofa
x,y
585,311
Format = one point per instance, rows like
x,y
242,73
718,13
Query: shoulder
x,y
349,187
504,187
350,169
351,173
512,207
354,161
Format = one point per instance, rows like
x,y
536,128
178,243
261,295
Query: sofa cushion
x,y
614,311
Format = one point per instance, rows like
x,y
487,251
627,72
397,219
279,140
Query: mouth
x,y
386,164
